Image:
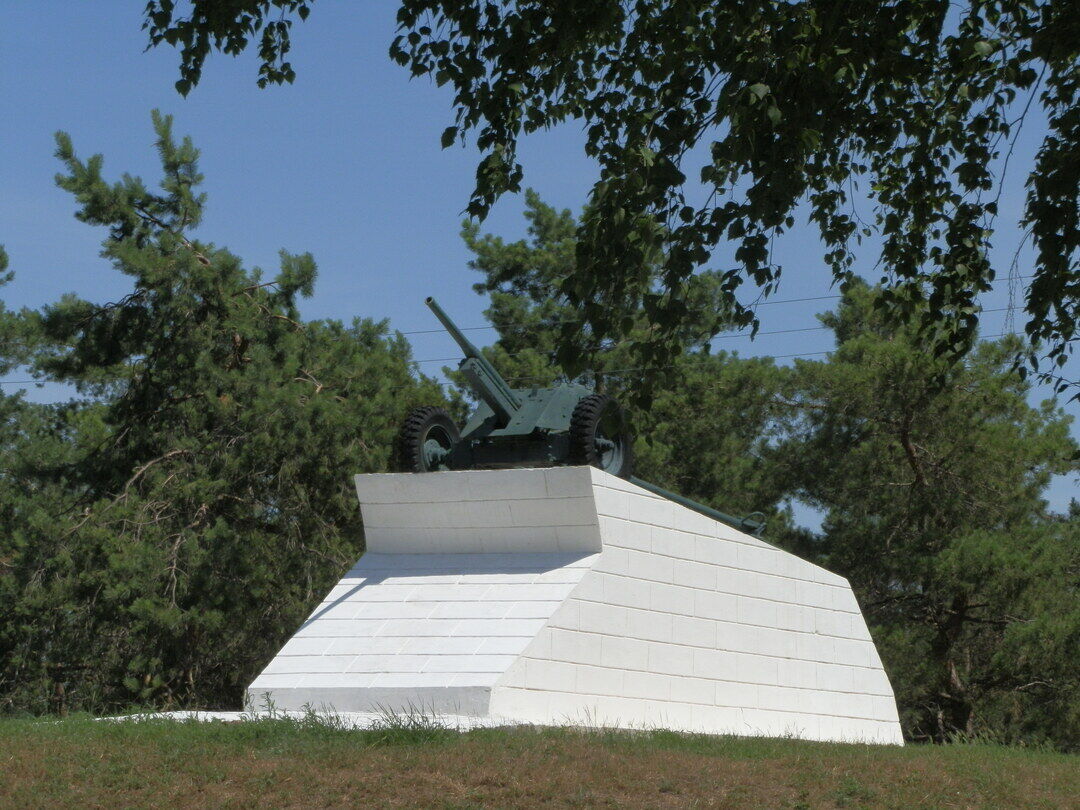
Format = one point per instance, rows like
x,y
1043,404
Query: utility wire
x,y
751,306
727,336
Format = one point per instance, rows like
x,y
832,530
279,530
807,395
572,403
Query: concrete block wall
x,y
569,595
683,622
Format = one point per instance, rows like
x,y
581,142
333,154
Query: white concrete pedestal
x,y
569,596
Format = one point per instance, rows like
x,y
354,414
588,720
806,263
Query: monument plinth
x,y
567,595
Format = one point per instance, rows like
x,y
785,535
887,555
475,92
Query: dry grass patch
x,y
280,763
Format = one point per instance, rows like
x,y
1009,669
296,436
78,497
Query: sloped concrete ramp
x,y
569,596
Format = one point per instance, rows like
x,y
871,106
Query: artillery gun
x,y
530,427
515,427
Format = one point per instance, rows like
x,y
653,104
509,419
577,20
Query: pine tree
x,y
203,497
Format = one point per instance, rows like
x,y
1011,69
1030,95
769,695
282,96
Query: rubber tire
x,y
414,433
587,418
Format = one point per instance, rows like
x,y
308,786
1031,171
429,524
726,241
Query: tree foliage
x,y
715,456
931,481
767,107
929,475
166,530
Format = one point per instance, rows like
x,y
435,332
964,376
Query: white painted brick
x,y
338,610
719,606
870,681
365,645
305,646
578,538
716,552
858,629
531,610
611,503
714,664
417,627
693,690
650,626
538,647
671,659
819,574
834,678
671,599
485,514
498,485
844,599
653,567
464,610
566,482
556,676
581,648
600,617
614,560
505,645
649,685
884,707
694,522
528,705
737,581
678,716
567,615
309,663
408,680
737,694
763,560
694,632
562,575
561,512
766,586
467,663
795,673
372,592
625,591
436,645
782,698
337,680
389,663
651,510
475,679
532,593
498,627
624,653
673,543
795,617
813,594
755,668
772,639
400,610
599,681
329,627
624,534
854,653
756,611
693,574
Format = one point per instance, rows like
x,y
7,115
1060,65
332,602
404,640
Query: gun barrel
x,y
485,381
466,347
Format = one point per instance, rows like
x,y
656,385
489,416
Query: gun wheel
x,y
599,435
426,440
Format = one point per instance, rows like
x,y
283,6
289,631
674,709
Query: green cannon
x,y
529,427
515,427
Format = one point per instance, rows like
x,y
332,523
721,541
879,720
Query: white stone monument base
x,y
567,596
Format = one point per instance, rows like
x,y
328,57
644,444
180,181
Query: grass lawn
x,y
78,762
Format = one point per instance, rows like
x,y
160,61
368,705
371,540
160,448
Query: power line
x,y
751,306
726,336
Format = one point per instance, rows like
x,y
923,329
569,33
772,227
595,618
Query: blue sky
x,y
344,163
